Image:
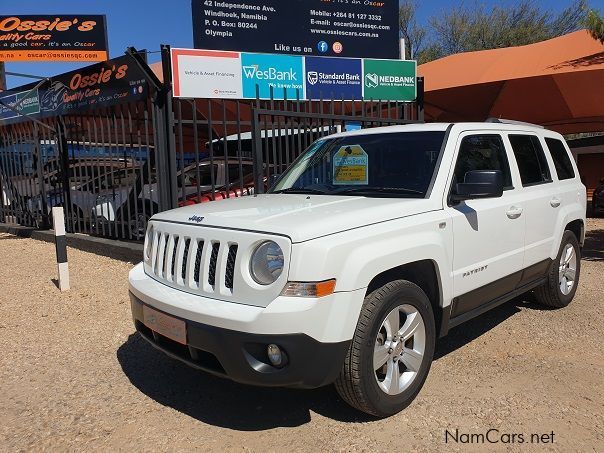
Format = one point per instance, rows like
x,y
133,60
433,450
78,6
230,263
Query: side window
x,y
530,159
482,152
564,168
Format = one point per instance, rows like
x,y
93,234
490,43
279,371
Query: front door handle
x,y
514,212
554,202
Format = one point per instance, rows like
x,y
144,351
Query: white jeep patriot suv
x,y
372,245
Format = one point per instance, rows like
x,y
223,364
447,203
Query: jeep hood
x,y
300,217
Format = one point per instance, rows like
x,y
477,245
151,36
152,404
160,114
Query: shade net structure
x,y
558,83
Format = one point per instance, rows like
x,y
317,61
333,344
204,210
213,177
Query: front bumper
x,y
230,339
242,356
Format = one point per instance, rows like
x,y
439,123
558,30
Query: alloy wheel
x,y
399,349
567,272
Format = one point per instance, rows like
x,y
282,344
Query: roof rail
x,y
518,123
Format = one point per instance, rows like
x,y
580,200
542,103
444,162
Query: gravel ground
x,y
73,376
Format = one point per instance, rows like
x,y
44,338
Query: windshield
x,y
392,164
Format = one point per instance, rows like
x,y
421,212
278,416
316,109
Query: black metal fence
x,y
113,168
93,165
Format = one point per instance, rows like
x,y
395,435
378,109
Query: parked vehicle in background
x,y
597,200
368,248
83,193
194,181
81,170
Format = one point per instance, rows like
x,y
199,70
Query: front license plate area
x,y
169,327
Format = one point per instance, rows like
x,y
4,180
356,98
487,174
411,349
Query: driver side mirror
x,y
479,184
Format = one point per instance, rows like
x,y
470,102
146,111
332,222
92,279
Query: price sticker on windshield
x,y
351,166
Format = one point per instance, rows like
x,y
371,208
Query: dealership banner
x,y
334,78
240,75
338,28
263,73
24,102
389,79
103,84
81,37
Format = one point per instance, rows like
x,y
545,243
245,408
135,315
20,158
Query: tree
x,y
595,25
410,30
464,29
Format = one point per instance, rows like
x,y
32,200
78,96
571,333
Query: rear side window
x,y
482,152
531,159
564,168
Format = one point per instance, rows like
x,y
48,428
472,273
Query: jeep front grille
x,y
209,261
192,262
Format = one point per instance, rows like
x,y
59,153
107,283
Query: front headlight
x,y
267,263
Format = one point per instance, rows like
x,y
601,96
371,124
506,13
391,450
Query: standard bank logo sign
x,y
284,73
337,78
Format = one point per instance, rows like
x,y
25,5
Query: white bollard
x,y
58,216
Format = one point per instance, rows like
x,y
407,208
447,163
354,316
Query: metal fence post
x,y
257,152
420,99
39,169
166,135
64,166
169,112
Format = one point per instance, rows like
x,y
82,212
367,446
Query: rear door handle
x,y
554,202
514,212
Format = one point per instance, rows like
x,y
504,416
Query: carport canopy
x,y
558,83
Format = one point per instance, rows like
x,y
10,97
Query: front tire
x,y
563,278
391,351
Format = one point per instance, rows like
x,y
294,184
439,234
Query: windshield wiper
x,y
370,190
302,190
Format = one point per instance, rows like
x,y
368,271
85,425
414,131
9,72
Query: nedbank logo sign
x,y
25,102
393,80
372,80
284,73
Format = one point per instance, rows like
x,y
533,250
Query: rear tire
x,y
404,351
559,290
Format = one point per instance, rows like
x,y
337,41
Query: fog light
x,y
274,354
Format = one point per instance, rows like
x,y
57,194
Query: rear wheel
x,y
562,280
391,352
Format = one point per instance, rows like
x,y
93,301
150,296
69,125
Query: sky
x,y
145,24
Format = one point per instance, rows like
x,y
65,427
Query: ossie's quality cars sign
x,y
53,38
102,84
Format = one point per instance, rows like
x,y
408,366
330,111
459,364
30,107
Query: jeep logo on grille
x,y
195,218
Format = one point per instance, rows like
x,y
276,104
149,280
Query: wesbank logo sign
x,y
270,74
284,73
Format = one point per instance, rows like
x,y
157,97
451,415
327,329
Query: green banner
x,y
392,80
26,103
